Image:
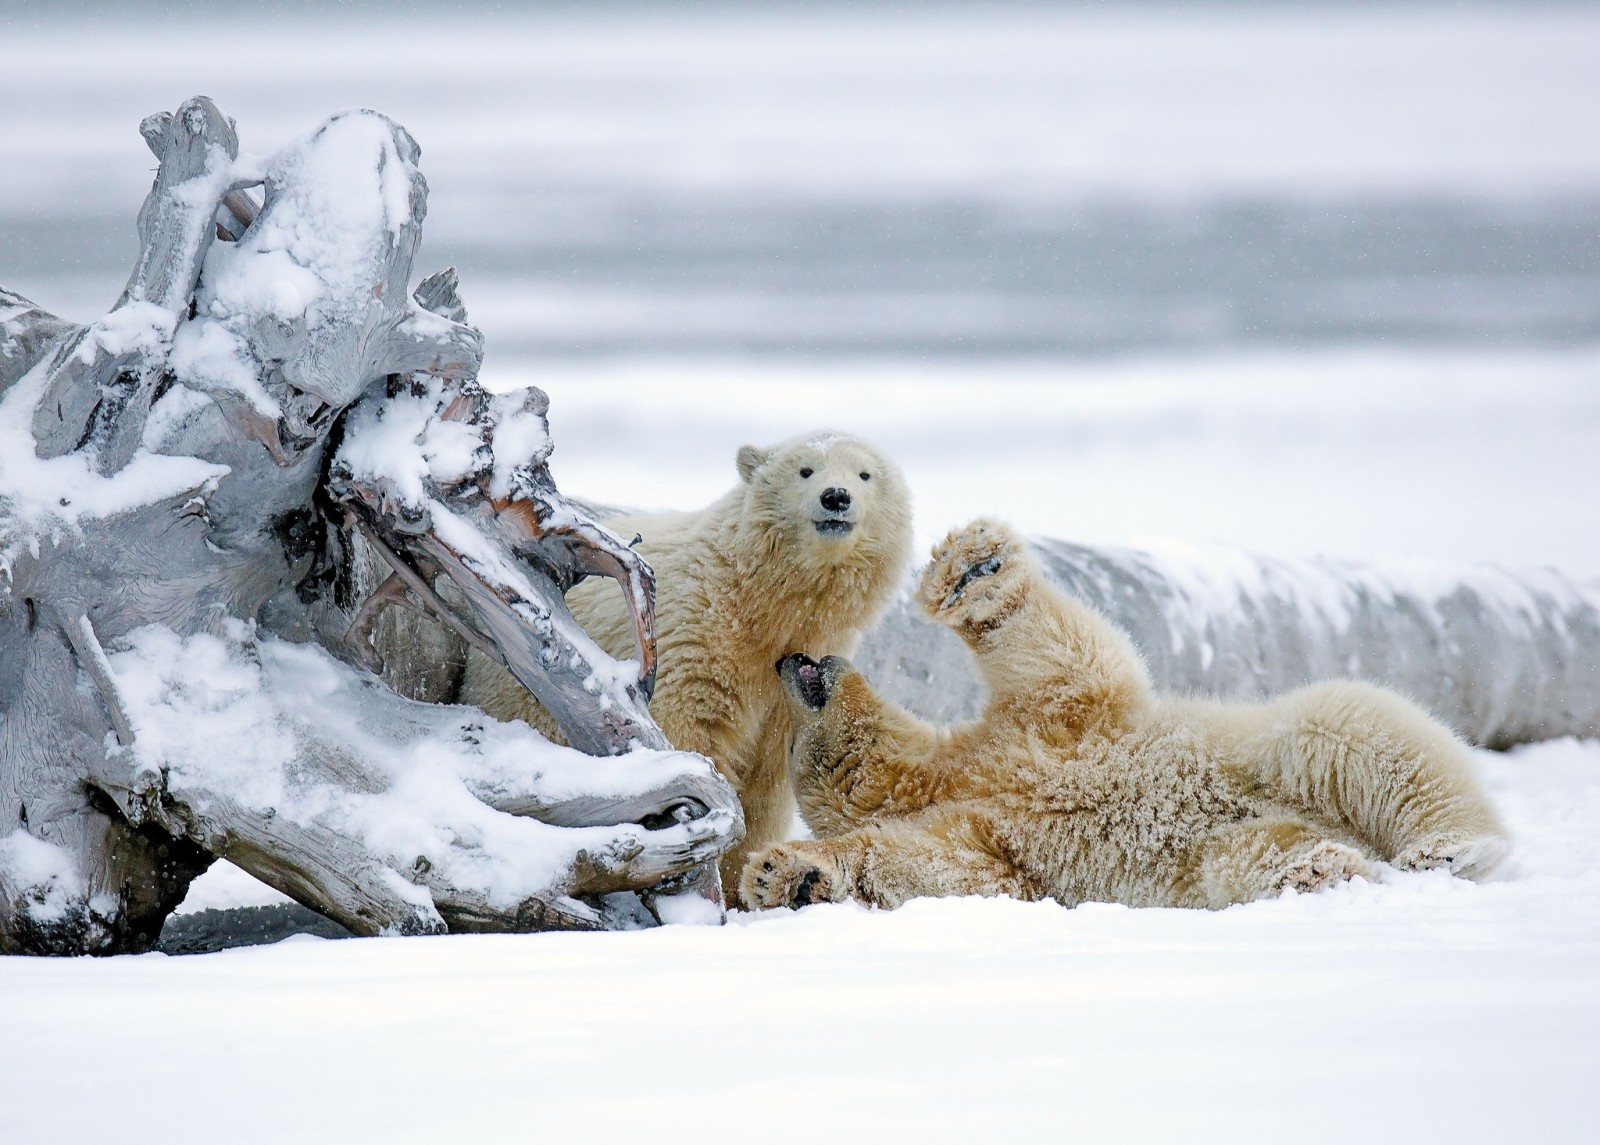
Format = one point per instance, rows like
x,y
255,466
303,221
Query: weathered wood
x,y
361,838
183,518
99,396
27,334
1502,657
460,519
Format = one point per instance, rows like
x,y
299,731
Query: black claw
x,y
802,893
981,569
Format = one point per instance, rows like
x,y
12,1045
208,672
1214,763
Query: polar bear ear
x,y
750,459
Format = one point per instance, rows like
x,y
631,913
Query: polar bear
x,y
804,552
1079,783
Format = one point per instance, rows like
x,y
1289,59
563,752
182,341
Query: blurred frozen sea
x,y
1296,278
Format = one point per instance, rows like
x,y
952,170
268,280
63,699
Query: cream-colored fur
x,y
765,570
1079,783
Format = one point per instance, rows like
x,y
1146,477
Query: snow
x,y
1422,1007
49,881
252,717
133,328
215,360
46,500
1368,453
324,228
521,438
403,440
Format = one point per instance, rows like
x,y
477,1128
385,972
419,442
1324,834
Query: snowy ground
x,y
1420,1008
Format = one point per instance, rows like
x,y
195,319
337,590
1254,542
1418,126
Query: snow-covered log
x,y
1502,657
193,490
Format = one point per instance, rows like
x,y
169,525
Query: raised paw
x,y
1323,865
1470,856
786,876
976,574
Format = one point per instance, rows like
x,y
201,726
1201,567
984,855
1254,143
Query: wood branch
x,y
75,876
28,334
549,653
99,396
416,583
196,148
536,517
1504,658
439,294
334,817
507,541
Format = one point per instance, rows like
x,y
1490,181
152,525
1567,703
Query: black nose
x,y
835,500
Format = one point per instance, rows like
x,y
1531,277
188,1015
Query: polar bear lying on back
x,y
1079,783
804,552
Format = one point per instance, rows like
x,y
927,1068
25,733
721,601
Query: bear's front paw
x,y
974,573
786,876
1322,866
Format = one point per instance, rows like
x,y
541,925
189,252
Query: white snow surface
x,y
1372,453
1421,1008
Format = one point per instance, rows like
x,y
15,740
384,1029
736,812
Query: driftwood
x,y
1503,658
194,491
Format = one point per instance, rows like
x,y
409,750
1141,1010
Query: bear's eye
x,y
865,476
806,472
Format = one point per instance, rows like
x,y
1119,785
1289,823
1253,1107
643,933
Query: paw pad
x,y
1469,857
1324,865
782,877
983,552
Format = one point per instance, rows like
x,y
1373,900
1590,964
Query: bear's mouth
x,y
805,679
834,527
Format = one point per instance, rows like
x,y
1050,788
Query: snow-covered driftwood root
x,y
177,539
1504,658
387,814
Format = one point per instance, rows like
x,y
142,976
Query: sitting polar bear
x,y
804,552
1079,783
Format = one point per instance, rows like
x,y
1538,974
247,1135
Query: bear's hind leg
x,y
1395,775
950,852
1261,858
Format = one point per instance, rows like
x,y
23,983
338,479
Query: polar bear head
x,y
829,502
833,711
